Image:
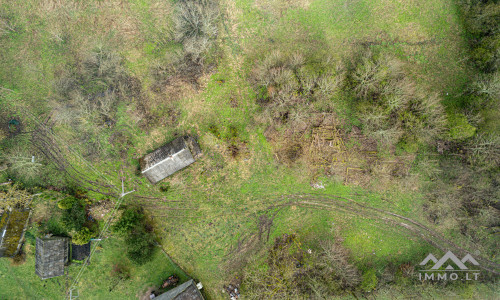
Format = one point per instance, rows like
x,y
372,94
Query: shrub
x,y
140,245
370,281
389,105
66,203
286,82
196,25
74,217
55,227
130,218
139,237
83,236
459,127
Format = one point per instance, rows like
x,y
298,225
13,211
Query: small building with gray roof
x,y
52,254
186,291
169,158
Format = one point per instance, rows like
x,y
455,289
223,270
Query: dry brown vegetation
x,y
294,273
300,104
13,197
196,26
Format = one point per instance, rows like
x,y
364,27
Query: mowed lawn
x,y
209,220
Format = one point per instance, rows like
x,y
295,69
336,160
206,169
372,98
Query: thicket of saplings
x,y
372,84
464,195
290,272
138,234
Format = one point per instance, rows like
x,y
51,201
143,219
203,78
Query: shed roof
x,y
51,256
185,291
12,227
169,158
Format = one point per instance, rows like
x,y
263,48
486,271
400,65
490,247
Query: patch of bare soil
x,y
146,295
101,209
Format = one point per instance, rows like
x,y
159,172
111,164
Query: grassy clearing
x,y
209,219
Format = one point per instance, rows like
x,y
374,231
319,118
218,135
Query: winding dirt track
x,y
337,203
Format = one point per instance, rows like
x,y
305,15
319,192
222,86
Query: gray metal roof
x,y
185,291
169,159
51,256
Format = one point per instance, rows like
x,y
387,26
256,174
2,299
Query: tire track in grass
x,y
413,227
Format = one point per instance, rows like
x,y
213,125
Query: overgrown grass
x,y
213,226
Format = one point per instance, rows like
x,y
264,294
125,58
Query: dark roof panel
x,y
185,291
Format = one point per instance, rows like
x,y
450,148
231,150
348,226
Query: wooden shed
x,y
13,225
52,254
169,158
185,291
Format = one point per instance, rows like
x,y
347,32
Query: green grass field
x,y
208,220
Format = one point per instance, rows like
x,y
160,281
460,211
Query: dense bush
x,y
459,127
283,79
67,202
292,86
83,236
130,218
74,217
369,282
390,106
140,245
482,22
55,227
139,236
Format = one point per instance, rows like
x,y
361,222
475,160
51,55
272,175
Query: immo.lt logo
x,y
449,267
